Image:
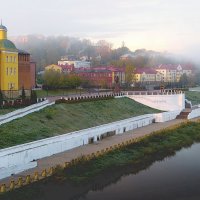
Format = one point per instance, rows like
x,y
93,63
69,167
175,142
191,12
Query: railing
x,y
155,92
23,111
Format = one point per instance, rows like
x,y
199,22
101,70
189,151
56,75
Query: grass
x,y
162,143
4,111
194,97
63,118
80,178
58,92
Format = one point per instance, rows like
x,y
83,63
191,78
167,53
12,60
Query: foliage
x,y
33,97
54,79
184,80
1,98
194,97
48,50
23,94
129,74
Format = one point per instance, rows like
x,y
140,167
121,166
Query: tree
x,y
33,97
129,74
1,98
23,94
52,79
183,80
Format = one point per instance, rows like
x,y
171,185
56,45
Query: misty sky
x,y
171,25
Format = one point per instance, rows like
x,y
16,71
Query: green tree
x,y
33,96
129,74
52,79
1,98
23,94
183,80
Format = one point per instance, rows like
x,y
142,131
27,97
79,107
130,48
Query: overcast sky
x,y
171,25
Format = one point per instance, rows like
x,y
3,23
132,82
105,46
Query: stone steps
x,y
184,114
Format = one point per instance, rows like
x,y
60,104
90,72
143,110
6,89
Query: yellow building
x,y
54,67
8,63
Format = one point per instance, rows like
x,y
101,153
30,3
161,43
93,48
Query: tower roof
x,y
7,45
2,27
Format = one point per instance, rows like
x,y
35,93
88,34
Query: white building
x,y
76,63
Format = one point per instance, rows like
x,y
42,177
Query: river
x,y
177,177
172,178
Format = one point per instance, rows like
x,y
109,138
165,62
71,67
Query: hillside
x,y
63,118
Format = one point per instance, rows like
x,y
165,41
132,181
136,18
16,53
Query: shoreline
x,y
62,158
88,168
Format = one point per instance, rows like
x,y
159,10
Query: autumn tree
x,y
129,74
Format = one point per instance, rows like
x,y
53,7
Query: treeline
x,y
55,80
48,50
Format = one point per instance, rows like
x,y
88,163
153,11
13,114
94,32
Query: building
x,y
127,56
70,60
54,67
60,68
8,63
172,73
147,75
27,69
14,67
102,76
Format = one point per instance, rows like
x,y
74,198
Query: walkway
x,y
61,158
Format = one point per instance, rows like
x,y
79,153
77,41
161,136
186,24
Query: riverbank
x,y
64,118
139,155
67,156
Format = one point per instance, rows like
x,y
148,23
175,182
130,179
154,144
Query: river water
x,y
177,177
172,178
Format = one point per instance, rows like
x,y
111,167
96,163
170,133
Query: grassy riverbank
x,y
165,142
63,118
108,168
194,97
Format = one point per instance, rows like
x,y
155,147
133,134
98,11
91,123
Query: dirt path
x,y
67,156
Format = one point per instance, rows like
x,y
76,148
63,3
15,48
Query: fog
x,y
160,25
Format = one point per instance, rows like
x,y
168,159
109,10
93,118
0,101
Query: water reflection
x,y
176,177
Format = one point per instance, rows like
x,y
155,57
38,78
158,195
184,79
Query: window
x,y
14,59
10,58
11,71
14,71
6,58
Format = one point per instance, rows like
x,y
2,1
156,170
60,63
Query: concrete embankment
x,y
65,157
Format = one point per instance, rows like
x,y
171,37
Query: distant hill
x,y
48,50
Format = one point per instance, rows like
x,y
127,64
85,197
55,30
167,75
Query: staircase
x,y
184,114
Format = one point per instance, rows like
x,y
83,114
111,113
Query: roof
x,y
175,67
92,71
7,45
145,70
20,51
2,27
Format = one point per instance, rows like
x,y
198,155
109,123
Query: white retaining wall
x,y
18,158
166,116
165,102
194,113
24,111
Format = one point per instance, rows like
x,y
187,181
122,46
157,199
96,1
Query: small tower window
x,y
11,71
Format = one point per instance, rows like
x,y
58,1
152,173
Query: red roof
x,y
145,70
174,67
